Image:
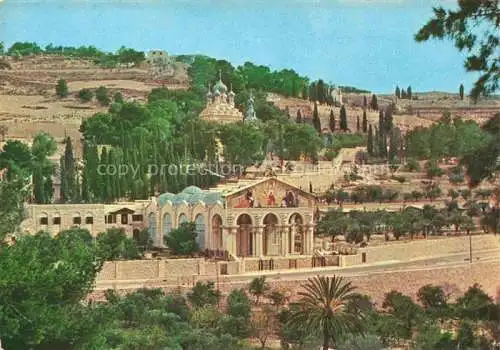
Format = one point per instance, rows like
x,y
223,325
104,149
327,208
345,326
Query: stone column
x,y
286,244
232,239
254,241
305,240
292,239
258,241
311,238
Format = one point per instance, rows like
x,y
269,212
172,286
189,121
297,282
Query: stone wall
x,y
454,280
140,270
404,251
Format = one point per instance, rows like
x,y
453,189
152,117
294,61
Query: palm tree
x,y
328,305
258,287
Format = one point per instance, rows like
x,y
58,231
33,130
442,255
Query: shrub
x,y
330,154
433,170
102,95
412,165
62,88
85,95
118,97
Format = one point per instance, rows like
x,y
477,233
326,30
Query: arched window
x,y
182,219
167,224
152,226
217,232
200,230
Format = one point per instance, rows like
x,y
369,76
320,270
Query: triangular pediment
x,y
270,192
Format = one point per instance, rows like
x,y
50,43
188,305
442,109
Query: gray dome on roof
x,y
220,87
192,190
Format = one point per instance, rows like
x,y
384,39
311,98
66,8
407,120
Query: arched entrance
x,y
271,235
296,234
244,245
217,232
200,230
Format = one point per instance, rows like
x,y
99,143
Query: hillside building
x,y
220,105
249,218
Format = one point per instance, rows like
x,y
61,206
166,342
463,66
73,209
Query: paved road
x,y
431,263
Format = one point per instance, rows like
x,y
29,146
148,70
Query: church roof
x,y
221,112
220,86
229,189
190,195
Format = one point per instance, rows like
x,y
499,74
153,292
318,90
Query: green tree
x,y
331,122
118,97
16,157
408,92
68,173
42,148
323,309
102,95
473,27
374,103
397,93
62,88
388,119
433,170
369,141
85,95
204,294
13,193
461,91
115,245
482,163
343,119
258,287
182,240
365,122
56,275
404,309
316,121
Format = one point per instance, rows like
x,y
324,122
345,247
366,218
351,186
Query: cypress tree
x,y
77,195
382,150
398,92
299,116
332,121
320,88
403,94
343,118
365,102
461,92
374,103
316,120
68,172
358,126
365,121
305,94
313,95
381,125
104,178
408,92
369,142
388,119
376,143
394,144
